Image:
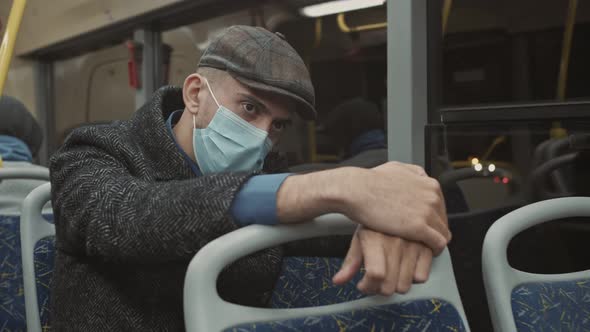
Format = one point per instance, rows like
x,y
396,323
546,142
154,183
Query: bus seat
x,y
469,230
521,301
37,245
542,173
555,175
435,302
307,282
17,179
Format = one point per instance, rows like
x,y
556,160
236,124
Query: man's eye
x,y
248,108
278,126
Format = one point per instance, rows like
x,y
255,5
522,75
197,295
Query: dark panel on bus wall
x,y
546,56
476,68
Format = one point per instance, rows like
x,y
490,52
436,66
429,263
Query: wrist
x,y
338,188
306,196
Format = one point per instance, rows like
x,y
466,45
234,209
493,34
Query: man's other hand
x,y
391,263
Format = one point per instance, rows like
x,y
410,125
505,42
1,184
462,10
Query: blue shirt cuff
x,y
256,203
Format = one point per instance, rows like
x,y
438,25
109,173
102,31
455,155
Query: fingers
x,y
391,263
442,207
352,262
436,223
423,265
375,262
434,240
408,265
394,254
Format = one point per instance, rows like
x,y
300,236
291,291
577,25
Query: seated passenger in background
x,y
356,125
135,200
20,140
20,134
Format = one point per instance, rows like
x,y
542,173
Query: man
x,y
135,200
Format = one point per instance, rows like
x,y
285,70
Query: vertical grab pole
x,y
566,49
9,40
448,4
557,131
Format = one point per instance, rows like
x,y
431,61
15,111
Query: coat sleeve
x,y
104,211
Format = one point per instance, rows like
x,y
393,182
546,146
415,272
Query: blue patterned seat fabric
x,y
12,303
44,263
306,281
552,306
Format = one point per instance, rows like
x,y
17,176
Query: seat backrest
x,y
521,301
204,310
33,229
469,230
17,179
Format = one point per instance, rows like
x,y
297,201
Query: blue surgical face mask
x,y
229,143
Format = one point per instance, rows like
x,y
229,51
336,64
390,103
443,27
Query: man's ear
x,y
190,92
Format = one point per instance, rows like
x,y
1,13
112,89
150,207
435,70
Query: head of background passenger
x,y
20,134
356,125
249,85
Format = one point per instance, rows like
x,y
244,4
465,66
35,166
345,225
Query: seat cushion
x,y
415,316
44,263
552,306
307,282
12,315
12,300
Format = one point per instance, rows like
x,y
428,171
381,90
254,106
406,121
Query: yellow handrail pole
x,y
9,40
496,142
311,136
448,4
557,131
344,27
566,49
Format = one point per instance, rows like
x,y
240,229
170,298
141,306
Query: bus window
x,y
347,69
92,88
514,52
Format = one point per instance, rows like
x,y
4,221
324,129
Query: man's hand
x,y
399,199
394,198
391,263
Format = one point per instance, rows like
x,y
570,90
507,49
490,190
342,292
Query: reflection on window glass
x,y
511,164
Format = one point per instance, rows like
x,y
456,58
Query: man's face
x,y
266,111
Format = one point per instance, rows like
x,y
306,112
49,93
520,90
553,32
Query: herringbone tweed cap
x,y
264,61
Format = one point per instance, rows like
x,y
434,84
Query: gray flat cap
x,y
263,60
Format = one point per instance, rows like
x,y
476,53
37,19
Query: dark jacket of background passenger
x,y
130,214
